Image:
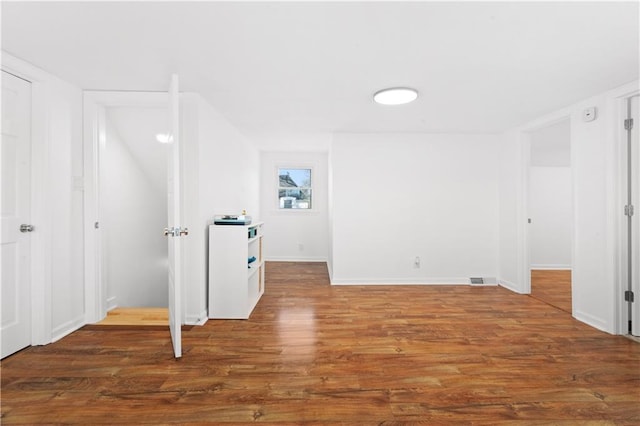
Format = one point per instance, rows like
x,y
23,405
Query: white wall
x,y
222,171
551,145
597,208
65,167
134,212
57,250
398,196
511,269
295,235
593,296
551,213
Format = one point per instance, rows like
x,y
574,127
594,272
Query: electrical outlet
x,y
300,247
416,262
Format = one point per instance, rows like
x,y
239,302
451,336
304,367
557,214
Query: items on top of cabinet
x,y
232,219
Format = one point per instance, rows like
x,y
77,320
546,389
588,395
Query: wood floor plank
x,y
137,316
317,353
552,287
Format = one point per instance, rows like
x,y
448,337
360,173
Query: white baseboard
x,y
111,303
594,322
488,281
67,328
403,281
296,259
199,319
510,286
551,267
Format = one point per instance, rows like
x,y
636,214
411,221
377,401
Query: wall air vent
x,y
477,281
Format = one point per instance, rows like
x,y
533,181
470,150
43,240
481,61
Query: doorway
x,y
126,210
96,127
551,214
133,188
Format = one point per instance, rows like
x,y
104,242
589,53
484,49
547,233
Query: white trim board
x,y
599,323
412,281
510,286
551,267
67,328
296,259
199,319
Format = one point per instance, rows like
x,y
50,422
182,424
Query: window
x,y
294,188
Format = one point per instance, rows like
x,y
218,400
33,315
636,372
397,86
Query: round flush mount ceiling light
x,y
395,96
164,137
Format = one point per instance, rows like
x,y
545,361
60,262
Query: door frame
x,y
41,241
620,138
613,103
94,106
525,140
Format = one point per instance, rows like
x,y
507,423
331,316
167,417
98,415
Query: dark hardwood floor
x,y
338,355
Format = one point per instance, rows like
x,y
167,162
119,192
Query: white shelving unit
x,y
235,285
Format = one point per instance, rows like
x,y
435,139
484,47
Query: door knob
x,y
26,228
176,232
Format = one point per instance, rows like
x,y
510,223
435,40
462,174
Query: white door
x,y
174,230
15,207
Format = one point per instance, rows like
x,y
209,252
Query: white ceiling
x,y
292,70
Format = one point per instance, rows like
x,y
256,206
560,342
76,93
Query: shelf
x,y
255,267
235,287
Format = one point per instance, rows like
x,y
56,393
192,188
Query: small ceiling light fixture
x,y
395,96
164,137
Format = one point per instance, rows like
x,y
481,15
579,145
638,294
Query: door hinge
x,y
628,124
628,296
628,210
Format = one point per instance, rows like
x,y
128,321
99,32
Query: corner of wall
x,y
511,286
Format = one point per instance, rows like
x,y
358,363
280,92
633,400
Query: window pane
x,y
295,178
294,190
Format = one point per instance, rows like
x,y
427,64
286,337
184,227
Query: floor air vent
x,y
477,280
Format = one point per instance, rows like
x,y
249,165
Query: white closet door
x,y
16,214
